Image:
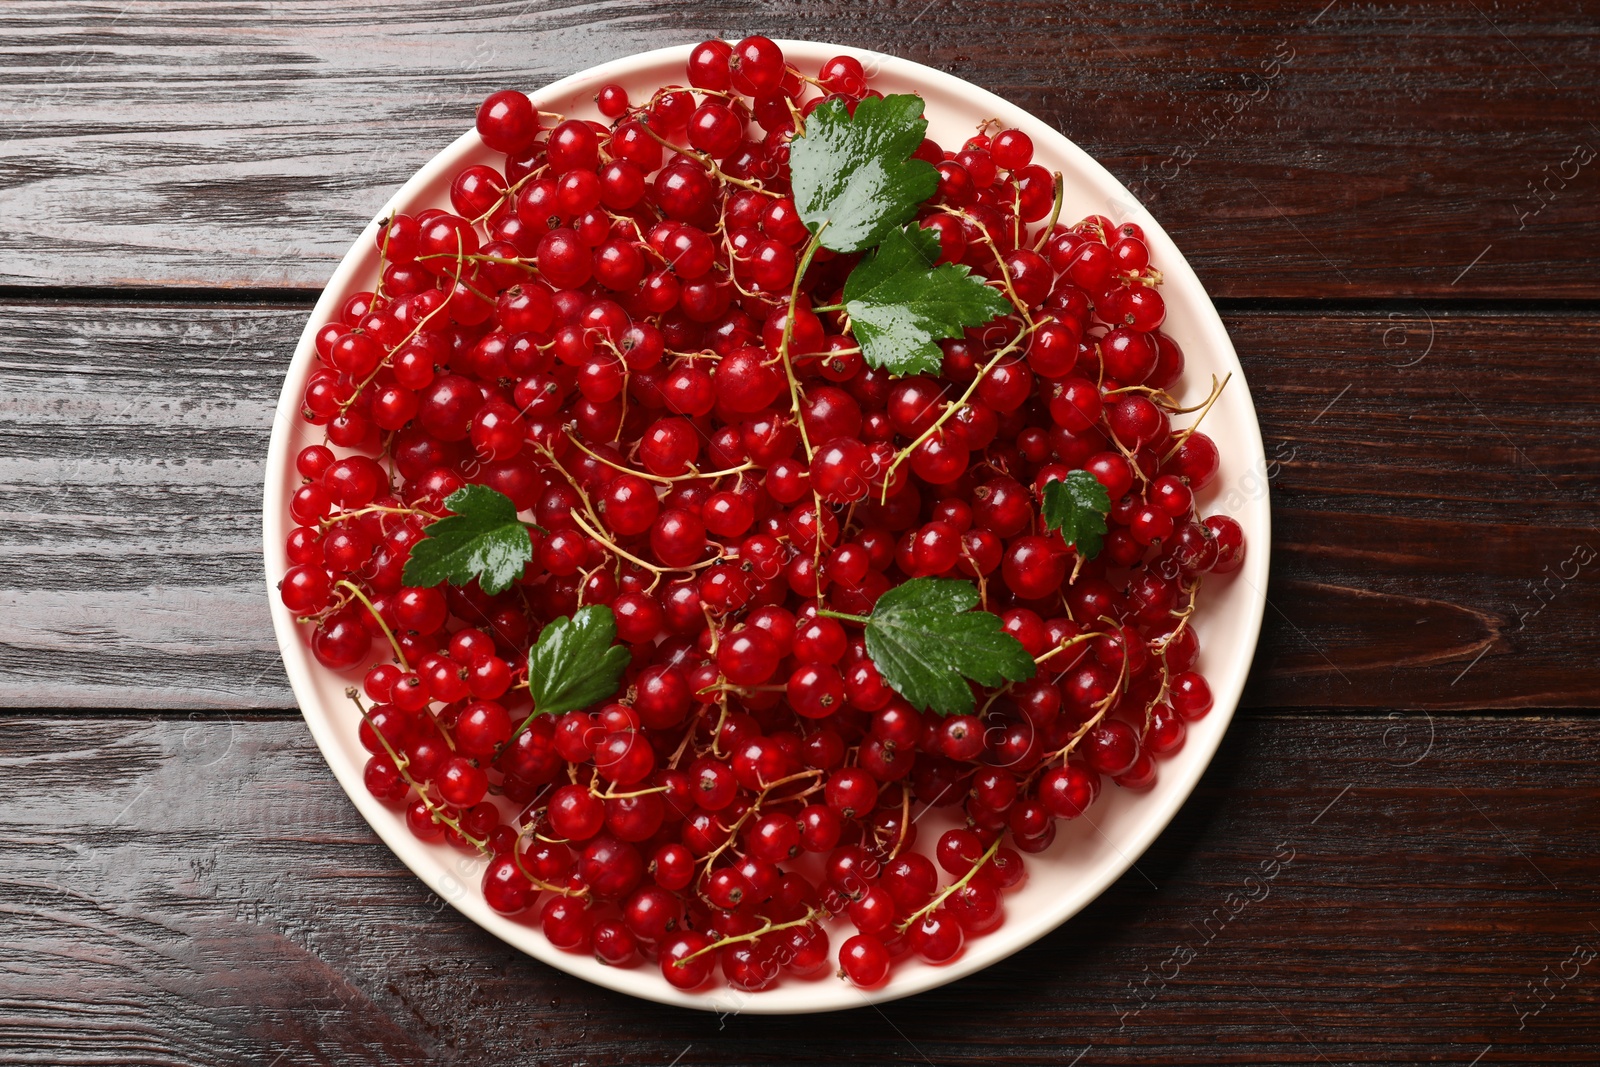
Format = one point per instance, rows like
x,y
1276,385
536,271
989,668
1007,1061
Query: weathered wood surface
x,y
1424,514
1315,149
134,440
202,893
189,886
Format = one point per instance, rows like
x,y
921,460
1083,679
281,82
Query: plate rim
x,y
430,862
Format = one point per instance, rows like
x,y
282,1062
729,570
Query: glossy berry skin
x,y
625,758
1112,747
1032,568
567,925
708,65
806,950
756,66
864,961
341,641
508,123
682,963
610,868
775,838
1230,543
614,944
841,470
306,589
749,657
673,867
976,906
1191,696
938,938
505,888
575,813
1066,792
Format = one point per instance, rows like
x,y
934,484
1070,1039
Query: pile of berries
x,y
599,329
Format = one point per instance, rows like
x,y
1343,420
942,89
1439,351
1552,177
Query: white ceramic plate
x,y
1089,853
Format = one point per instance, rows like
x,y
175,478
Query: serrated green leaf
x,y
575,662
900,304
1077,506
484,539
926,641
855,174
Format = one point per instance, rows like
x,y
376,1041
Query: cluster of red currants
x,y
600,330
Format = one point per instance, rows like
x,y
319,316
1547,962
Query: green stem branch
x,y
929,907
826,613
355,591
788,335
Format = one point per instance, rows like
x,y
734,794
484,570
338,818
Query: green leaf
x,y
575,664
926,640
484,539
1077,506
855,174
900,304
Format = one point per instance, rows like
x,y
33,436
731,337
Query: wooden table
x,y
1395,207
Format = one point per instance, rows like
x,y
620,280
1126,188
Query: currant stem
x,y
662,479
376,509
951,410
755,807
811,916
1066,644
1102,708
1191,591
960,883
770,786
369,379
828,613
1160,397
709,163
479,257
688,737
539,883
359,595
788,335
624,796
1055,213
511,191
1127,453
593,531
1205,409
1005,272
383,257
733,835
400,764
905,821
631,558
716,731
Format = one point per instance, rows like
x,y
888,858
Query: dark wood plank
x,y
1424,514
1310,150
134,442
1433,503
203,894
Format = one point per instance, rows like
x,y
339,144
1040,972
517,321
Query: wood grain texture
x,y
1424,514
1310,150
134,440
180,893
1434,502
